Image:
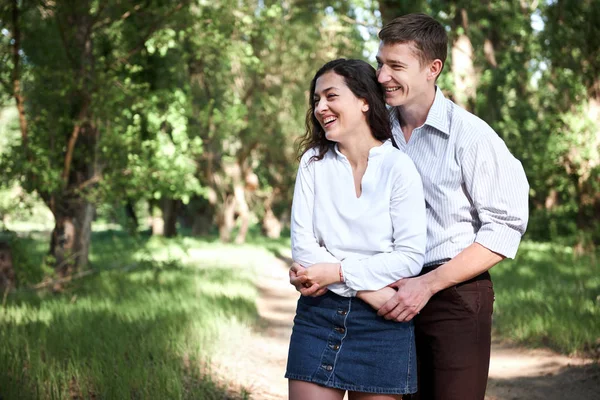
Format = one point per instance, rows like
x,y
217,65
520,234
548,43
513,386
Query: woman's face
x,y
337,109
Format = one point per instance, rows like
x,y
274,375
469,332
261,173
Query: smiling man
x,y
477,210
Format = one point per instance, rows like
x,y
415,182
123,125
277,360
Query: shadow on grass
x,y
279,255
550,297
145,334
574,382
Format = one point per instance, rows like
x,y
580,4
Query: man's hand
x,y
301,282
411,296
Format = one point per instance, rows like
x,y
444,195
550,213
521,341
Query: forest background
x,y
179,119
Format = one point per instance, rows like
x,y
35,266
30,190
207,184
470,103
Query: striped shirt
x,y
475,190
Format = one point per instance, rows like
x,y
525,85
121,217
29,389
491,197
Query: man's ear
x,y
435,67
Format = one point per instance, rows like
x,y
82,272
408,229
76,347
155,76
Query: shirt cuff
x,y
357,281
342,290
350,279
500,239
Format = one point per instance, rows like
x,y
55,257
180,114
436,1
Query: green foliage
x,y
187,100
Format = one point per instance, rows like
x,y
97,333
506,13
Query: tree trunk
x,y
132,219
157,223
226,219
7,272
243,213
70,241
170,208
232,189
203,216
271,226
463,71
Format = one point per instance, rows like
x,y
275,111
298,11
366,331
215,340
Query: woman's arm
x,y
306,250
407,212
376,298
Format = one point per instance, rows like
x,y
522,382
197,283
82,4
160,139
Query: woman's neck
x,y
356,148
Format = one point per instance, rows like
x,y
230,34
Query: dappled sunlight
x,y
129,330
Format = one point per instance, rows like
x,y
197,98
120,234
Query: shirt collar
x,y
436,118
438,115
373,152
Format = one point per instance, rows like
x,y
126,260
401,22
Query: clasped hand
x,y
313,281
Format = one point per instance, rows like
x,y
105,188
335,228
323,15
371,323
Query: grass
x,y
548,296
146,333
149,332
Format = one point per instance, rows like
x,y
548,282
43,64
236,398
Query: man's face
x,y
402,76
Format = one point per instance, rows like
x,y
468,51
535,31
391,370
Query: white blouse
x,y
378,237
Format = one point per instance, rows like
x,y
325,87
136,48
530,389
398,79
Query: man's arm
x,y
497,185
414,293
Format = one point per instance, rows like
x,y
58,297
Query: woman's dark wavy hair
x,y
360,78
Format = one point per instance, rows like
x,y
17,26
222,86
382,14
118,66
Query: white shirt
x,y
378,237
475,190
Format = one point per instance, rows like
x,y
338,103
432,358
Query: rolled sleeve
x,y
498,186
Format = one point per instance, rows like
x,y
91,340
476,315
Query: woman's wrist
x,y
333,273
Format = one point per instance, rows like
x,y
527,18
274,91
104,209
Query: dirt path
x,y
258,364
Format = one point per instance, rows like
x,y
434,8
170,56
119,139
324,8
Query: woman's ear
x,y
365,106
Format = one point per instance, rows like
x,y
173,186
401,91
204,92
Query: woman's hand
x,y
299,282
376,298
322,274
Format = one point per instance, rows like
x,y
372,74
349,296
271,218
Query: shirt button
x,y
342,312
335,347
340,329
327,367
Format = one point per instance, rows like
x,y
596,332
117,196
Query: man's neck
x,y
412,116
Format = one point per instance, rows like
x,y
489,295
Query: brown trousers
x,y
453,334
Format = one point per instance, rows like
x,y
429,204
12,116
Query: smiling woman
x,y
337,109
358,224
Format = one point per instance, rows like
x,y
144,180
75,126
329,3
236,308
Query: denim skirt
x,y
340,342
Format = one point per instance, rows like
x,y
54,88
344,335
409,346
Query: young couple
x,y
398,214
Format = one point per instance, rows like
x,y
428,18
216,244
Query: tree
x,y
250,65
71,103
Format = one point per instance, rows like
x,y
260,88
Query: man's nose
x,y
382,74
